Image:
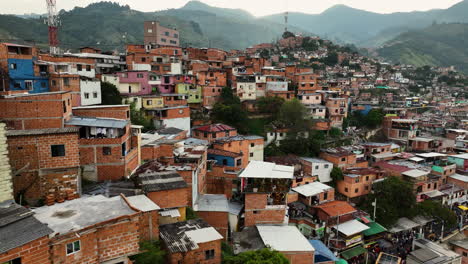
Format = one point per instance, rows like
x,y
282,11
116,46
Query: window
x,y
209,254
79,67
239,162
325,195
166,33
54,82
28,85
129,89
106,151
66,81
224,161
367,178
73,247
176,35
150,30
57,150
343,159
251,154
326,166
149,102
317,167
356,190
256,212
64,107
13,261
252,145
346,189
95,94
124,149
205,134
465,254
88,67
163,40
13,66
140,75
128,114
143,60
86,95
356,180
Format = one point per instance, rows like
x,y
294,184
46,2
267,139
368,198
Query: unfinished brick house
x,y
168,190
214,209
213,132
191,242
109,145
23,238
45,163
265,187
358,181
36,111
82,235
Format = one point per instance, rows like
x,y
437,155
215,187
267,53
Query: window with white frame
x,y
73,247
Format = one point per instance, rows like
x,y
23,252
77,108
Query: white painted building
x,y
320,168
90,92
111,78
277,86
247,90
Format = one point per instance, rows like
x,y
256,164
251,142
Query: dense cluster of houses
x,y
79,183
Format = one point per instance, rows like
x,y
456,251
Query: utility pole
x,y
375,207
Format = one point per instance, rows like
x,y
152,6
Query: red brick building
x,y
265,204
83,235
109,146
214,209
46,163
213,132
191,242
23,238
36,111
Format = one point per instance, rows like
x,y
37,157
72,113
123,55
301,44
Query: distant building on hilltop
x,y
157,35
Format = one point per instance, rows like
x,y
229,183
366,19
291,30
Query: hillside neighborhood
x,y
297,151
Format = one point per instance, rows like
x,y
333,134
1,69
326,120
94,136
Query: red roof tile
x,y
336,208
215,128
224,153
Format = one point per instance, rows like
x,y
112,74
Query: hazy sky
x,y
256,7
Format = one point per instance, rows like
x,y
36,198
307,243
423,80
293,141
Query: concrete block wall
x,y
6,186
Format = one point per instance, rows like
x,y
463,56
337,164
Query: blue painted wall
x,y
219,160
25,71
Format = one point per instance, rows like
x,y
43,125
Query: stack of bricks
x,y
6,186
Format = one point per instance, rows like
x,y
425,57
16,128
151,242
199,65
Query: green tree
x,y
152,253
436,210
288,34
270,105
292,115
229,110
190,214
375,118
262,256
336,175
110,94
331,59
395,199
138,117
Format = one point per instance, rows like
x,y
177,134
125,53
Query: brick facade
x,y
34,252
198,256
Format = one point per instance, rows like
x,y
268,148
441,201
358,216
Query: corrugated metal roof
x,y
142,203
351,227
284,238
46,131
170,212
261,169
212,203
97,122
312,189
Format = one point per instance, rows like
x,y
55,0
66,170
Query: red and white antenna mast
x,y
53,23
